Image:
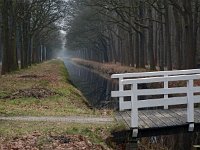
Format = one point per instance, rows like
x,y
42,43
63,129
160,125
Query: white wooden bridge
x,y
162,97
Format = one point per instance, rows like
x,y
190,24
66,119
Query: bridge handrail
x,y
156,73
135,104
122,76
161,79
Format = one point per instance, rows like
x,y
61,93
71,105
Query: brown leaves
x,y
30,76
24,143
69,142
107,68
38,93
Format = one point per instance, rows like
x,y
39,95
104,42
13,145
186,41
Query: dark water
x,y
97,89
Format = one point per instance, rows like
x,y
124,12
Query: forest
x,y
30,31
155,34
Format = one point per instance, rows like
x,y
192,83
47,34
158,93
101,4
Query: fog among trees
x,y
30,31
160,34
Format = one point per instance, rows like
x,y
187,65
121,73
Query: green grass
x,y
96,133
68,101
51,75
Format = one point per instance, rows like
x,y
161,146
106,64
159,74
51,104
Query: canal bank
x,y
107,69
96,87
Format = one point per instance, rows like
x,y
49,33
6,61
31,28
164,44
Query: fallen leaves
x,y
60,142
107,68
37,93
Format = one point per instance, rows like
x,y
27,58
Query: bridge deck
x,y
159,118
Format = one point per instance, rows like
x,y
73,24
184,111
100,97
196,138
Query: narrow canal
x,y
97,89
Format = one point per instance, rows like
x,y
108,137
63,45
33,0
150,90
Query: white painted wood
x,y
166,95
160,102
121,99
151,74
161,79
134,110
191,127
135,133
121,93
126,105
145,92
157,73
153,77
190,105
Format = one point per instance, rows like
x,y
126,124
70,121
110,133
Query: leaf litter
x,y
34,142
36,92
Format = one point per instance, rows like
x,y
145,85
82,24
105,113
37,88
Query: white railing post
x,y
166,95
190,105
134,110
121,99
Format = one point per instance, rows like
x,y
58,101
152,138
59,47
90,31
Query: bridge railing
x,y
124,104
190,91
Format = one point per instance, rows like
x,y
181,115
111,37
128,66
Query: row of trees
x,y
138,33
30,31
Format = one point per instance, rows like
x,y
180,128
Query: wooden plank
x,y
180,120
118,117
197,115
181,113
197,110
142,124
184,112
126,118
161,117
169,116
155,119
166,118
147,119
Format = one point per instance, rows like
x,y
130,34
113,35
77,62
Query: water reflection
x,y
96,88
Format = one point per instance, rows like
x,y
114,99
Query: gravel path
x,y
68,119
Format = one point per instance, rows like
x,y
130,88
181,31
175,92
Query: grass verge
x,y
26,92
45,90
45,135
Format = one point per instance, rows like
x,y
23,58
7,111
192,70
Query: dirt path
x,y
68,119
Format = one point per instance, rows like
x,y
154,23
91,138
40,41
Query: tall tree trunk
x,y
142,36
9,62
150,40
178,26
167,36
189,31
